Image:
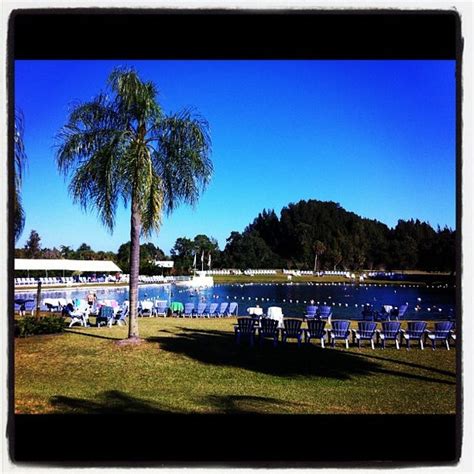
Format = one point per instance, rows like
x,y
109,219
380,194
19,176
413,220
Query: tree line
x,y
308,235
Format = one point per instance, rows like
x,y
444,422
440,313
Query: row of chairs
x,y
386,313
106,315
369,313
213,310
251,328
63,280
319,312
190,310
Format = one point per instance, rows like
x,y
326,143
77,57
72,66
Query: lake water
x,y
431,302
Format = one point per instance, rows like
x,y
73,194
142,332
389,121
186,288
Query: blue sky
x,y
378,137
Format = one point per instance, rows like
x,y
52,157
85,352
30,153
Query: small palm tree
x,y
319,249
20,165
120,146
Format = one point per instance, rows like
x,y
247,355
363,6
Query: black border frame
x,y
352,34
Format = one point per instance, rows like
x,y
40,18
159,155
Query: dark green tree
x,y
33,245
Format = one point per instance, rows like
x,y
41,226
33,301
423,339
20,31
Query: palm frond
x,y
18,214
133,98
182,158
152,208
20,164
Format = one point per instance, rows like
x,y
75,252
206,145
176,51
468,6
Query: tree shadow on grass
x,y
117,402
111,401
219,348
88,334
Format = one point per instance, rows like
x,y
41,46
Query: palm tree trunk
x,y
135,229
315,263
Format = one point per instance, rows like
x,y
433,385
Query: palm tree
x,y
121,146
319,248
20,165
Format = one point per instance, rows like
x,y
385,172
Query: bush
x,y
30,325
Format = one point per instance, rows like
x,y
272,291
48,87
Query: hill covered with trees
x,y
318,235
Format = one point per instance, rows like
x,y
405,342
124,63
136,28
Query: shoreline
x,y
440,279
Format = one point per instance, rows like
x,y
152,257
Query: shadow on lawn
x,y
219,348
112,401
116,402
88,334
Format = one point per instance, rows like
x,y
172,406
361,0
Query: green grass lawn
x,y
194,366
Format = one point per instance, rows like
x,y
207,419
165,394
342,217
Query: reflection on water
x,y
346,299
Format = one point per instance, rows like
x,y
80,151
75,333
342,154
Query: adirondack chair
x,y
188,310
106,316
325,312
316,330
292,329
442,332
340,331
222,309
365,332
245,327
268,328
311,312
390,332
415,332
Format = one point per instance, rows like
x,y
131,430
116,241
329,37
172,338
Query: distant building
x,y
164,263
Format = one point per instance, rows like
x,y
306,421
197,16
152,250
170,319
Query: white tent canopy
x,y
63,264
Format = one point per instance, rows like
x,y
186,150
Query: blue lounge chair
x,y
268,328
390,331
311,312
325,312
442,332
365,332
213,310
415,332
188,310
316,330
245,327
292,330
106,316
340,330
161,308
233,309
222,309
201,310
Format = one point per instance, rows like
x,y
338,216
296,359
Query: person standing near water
x,y
90,299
